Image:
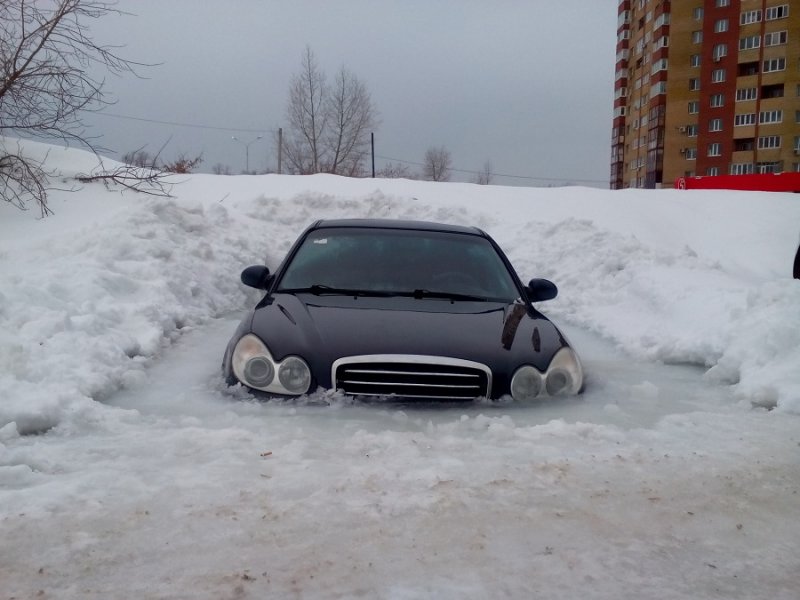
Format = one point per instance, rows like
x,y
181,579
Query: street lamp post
x,y
246,149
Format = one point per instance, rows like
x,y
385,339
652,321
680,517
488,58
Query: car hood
x,y
323,328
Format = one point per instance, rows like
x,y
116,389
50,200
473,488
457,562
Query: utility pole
x,y
372,141
280,148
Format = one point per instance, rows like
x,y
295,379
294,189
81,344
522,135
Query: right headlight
x,y
254,366
563,376
526,383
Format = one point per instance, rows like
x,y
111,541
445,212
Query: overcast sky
x,y
526,84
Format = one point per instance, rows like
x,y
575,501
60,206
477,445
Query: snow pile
x,y
90,294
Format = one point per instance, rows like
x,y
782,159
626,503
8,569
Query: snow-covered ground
x,y
128,470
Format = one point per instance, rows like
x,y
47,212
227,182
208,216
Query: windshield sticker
x,y
321,241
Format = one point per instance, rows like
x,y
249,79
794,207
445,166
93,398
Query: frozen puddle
x,y
620,392
653,484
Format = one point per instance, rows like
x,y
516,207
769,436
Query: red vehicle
x,y
767,182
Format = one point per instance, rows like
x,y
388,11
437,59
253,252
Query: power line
x,y
399,160
178,124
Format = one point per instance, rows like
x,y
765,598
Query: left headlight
x,y
254,366
563,376
565,373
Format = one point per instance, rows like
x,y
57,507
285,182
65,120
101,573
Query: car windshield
x,y
399,261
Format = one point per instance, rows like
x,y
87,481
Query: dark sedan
x,y
399,309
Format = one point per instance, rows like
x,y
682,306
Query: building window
x,y
619,111
747,69
721,26
718,75
742,169
746,94
769,141
690,153
745,119
715,125
768,167
697,37
691,131
658,88
715,149
772,91
797,144
776,12
717,100
720,50
694,107
751,16
659,65
694,60
712,171
744,144
770,116
720,3
697,13
694,84
662,42
776,38
663,19
751,41
774,64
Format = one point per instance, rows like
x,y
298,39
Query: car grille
x,y
404,376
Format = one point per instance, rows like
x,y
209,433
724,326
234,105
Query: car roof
x,y
396,224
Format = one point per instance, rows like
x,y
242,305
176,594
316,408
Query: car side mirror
x,y
539,290
257,277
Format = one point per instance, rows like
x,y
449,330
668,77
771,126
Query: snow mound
x,y
89,296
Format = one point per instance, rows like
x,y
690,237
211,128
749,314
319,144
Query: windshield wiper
x,y
419,294
319,289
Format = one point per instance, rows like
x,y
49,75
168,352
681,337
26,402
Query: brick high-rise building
x,y
705,87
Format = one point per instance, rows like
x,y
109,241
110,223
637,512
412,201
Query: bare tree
x,y
221,169
47,66
351,118
329,126
139,158
485,175
395,171
437,164
303,149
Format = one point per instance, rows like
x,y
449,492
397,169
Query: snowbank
x,y
90,295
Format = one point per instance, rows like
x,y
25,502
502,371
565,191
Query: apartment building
x,y
705,87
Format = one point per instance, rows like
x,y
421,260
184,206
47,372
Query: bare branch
x,y
47,58
22,179
149,181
